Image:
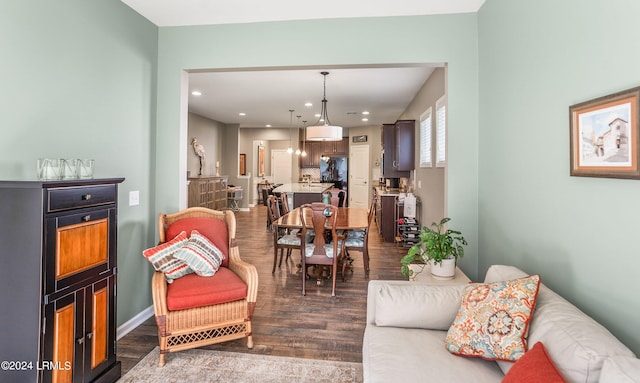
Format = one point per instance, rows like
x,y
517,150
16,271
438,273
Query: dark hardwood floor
x,y
285,323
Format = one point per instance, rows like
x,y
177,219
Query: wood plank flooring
x,y
285,323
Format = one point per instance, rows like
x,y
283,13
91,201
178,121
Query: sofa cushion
x,y
200,254
193,290
213,228
534,366
577,344
162,257
493,319
620,369
392,354
417,305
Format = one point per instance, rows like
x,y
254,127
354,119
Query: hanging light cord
x,y
323,112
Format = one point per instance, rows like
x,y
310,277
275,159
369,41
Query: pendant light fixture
x,y
323,130
290,148
298,152
304,138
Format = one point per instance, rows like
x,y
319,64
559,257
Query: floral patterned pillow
x,y
493,319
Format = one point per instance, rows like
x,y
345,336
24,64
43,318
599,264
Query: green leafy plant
x,y
435,245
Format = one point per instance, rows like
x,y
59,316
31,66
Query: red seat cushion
x,y
193,291
212,228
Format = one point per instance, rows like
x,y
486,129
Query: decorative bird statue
x,y
200,152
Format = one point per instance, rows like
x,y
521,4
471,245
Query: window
x,y
441,132
425,139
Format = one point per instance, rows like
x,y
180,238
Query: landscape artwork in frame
x,y
605,136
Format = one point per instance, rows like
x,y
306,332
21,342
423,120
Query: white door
x,y
359,176
281,166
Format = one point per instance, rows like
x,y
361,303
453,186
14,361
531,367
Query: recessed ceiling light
x,y
242,114
308,104
317,115
365,119
268,125
196,93
365,113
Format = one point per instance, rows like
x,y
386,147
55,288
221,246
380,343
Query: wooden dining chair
x,y
321,218
338,197
358,240
283,239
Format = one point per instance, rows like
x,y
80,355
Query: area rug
x,y
218,366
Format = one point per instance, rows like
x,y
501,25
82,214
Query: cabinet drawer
x,y
79,197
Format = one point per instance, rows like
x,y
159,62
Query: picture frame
x,y
605,136
243,164
362,138
260,161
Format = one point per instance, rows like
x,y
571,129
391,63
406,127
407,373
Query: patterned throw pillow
x,y
162,258
493,319
201,255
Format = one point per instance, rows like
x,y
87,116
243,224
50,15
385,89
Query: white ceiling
x,y
203,12
266,96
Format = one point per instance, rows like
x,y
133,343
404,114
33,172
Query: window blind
x,y
425,139
441,132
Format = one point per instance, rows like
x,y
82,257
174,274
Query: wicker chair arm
x,y
246,271
159,292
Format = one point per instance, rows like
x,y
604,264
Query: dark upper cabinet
x,y
316,149
398,148
405,144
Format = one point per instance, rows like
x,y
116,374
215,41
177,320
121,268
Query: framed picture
x,y
243,164
260,161
604,136
362,138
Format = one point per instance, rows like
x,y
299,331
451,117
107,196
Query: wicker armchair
x,y
196,324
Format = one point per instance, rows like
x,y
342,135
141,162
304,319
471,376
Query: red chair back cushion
x,y
193,291
212,228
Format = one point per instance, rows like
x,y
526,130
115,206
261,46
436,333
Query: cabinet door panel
x,y
81,246
99,328
99,325
78,247
63,340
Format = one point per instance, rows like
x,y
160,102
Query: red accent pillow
x,y
193,290
212,228
535,366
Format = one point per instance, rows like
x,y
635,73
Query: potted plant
x,y
438,246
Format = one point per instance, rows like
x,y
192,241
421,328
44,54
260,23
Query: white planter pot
x,y
445,269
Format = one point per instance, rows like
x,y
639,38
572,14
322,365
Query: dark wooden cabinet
x,y
58,265
405,145
317,149
398,143
336,148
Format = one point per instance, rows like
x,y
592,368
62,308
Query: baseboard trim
x,y
134,322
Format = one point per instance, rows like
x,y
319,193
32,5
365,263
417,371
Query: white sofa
x,y
407,323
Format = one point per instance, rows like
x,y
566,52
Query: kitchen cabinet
x,y
317,149
312,159
208,191
398,143
336,148
405,145
58,263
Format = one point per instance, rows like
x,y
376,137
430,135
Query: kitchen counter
x,y
303,193
303,187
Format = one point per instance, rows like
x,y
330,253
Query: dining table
x,y
349,218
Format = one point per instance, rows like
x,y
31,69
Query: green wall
x,y
580,234
423,39
78,80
